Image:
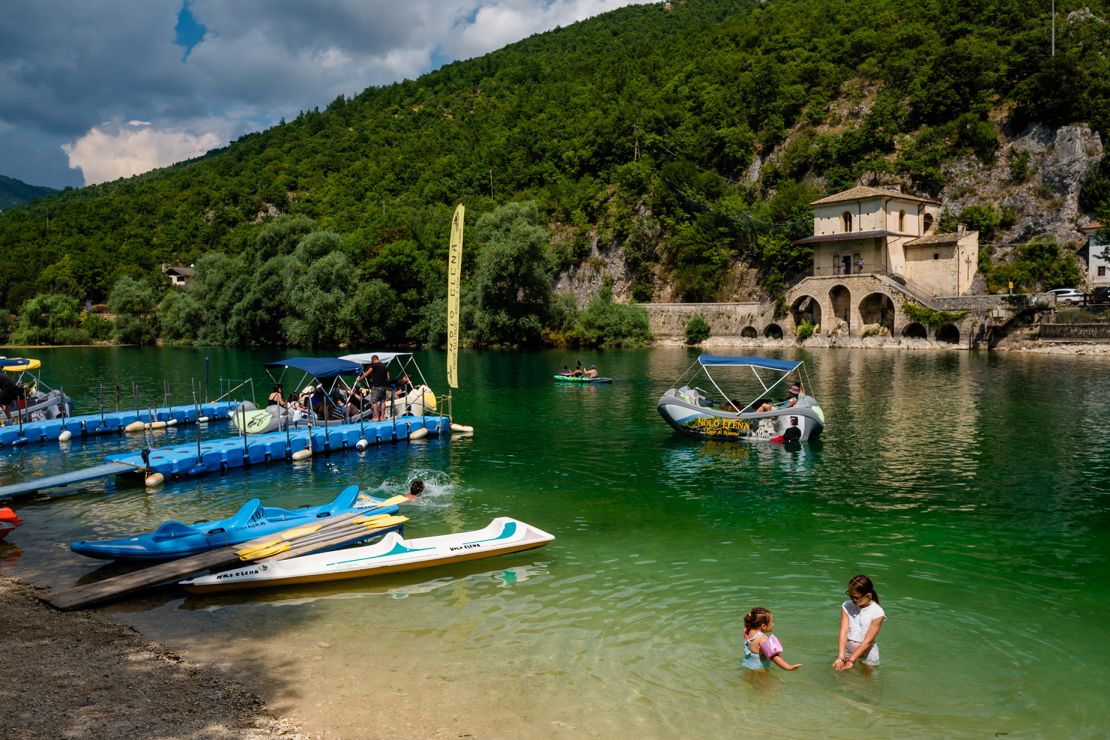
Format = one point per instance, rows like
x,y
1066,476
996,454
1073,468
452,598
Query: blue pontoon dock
x,y
108,422
186,460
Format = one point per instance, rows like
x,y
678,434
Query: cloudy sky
x,y
93,91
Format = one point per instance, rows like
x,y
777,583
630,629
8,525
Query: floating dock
x,y
210,456
108,422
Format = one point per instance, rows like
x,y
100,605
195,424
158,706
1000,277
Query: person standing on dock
x,y
377,377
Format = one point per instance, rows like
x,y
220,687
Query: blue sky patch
x,y
189,31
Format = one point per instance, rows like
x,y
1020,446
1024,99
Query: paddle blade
x,y
257,553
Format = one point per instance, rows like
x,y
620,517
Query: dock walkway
x,y
85,425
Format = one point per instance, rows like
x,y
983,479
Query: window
x,y
902,222
1102,270
846,221
936,255
928,222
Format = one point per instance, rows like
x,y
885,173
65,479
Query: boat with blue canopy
x,y
717,414
174,539
331,390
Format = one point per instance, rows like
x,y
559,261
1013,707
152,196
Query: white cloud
x,y
65,66
111,152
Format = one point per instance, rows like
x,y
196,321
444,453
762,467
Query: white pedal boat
x,y
392,554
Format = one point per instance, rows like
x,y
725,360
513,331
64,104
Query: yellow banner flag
x,y
454,274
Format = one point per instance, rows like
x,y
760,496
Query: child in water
x,y
761,648
861,617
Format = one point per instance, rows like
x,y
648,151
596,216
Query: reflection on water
x,y
959,482
501,578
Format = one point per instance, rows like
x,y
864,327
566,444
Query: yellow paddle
x,y
304,529
373,523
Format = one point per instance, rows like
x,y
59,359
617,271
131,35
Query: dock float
x,y
211,456
85,425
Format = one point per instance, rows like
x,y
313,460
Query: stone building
x,y
869,230
1098,269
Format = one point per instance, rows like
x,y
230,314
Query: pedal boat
x,y
694,411
392,554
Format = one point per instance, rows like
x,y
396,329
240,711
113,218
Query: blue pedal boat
x,y
174,539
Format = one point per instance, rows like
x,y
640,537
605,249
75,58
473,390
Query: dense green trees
x,y
635,129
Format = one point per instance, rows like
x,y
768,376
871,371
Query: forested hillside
x,y
15,192
649,129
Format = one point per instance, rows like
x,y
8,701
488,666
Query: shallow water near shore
x,y
974,489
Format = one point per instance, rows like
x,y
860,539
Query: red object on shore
x,y
8,521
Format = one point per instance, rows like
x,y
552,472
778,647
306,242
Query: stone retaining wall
x,y
1075,332
668,320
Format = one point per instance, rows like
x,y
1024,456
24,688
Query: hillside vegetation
x,y
637,130
16,192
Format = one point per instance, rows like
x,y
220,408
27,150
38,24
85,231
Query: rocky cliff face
x,y
1045,202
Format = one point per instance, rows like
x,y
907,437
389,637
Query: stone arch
x,y
948,333
806,308
749,332
878,308
841,299
914,330
773,331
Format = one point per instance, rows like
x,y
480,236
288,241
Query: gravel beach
x,y
78,675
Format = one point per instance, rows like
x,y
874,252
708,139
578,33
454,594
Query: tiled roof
x,y
847,236
930,240
861,192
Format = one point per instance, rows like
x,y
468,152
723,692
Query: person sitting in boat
x,y
277,396
294,404
403,387
579,371
793,392
9,391
592,372
356,402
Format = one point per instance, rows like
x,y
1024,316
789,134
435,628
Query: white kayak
x,y
392,554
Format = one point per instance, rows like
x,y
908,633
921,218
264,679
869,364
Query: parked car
x,y
1100,295
1068,296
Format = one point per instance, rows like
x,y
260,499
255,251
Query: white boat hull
x,y
392,554
690,417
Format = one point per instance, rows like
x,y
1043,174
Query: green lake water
x,y
974,489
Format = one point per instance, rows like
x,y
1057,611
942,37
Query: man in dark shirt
x,y
377,377
792,433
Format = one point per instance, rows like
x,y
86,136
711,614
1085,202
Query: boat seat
x,y
170,530
247,512
345,500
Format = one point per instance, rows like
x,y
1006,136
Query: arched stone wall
x,y
749,332
877,309
806,308
948,333
914,330
773,331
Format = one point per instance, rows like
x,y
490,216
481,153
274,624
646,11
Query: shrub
x,y
604,323
697,330
805,330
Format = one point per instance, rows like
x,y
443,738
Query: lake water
x,y
974,489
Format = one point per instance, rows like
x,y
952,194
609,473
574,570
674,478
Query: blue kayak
x,y
176,540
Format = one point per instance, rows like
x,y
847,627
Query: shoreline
x,y
79,674
1032,346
